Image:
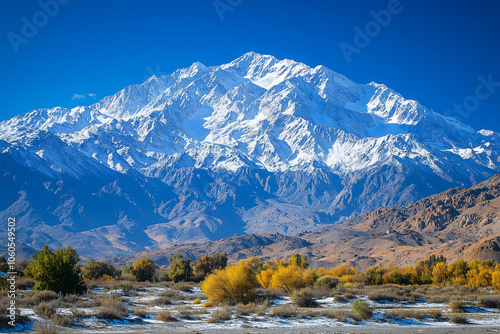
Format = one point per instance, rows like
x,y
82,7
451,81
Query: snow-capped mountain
x,y
255,145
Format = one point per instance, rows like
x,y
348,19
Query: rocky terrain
x,y
458,223
257,145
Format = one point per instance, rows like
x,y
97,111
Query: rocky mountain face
x,y
458,223
257,145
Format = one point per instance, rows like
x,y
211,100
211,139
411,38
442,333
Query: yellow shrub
x,y
440,274
234,283
265,278
291,278
106,277
495,280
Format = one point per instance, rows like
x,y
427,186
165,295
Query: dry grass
x,y
489,302
162,301
459,319
250,308
187,313
304,298
61,320
183,287
339,298
23,283
284,311
166,316
414,314
140,313
220,315
112,307
45,310
172,294
457,307
46,328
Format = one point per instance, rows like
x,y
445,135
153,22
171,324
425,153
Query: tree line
x,y
61,271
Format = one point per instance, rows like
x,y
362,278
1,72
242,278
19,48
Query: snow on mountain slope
x,y
258,138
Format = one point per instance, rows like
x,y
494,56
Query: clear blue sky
x,y
431,51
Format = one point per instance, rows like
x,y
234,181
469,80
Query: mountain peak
x,y
259,144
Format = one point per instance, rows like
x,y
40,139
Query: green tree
x,y
96,269
375,275
206,264
4,267
144,269
299,261
180,268
57,271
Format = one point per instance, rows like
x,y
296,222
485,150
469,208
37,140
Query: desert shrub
x,y
248,309
385,296
45,310
183,287
112,308
434,314
304,298
23,283
457,307
265,296
140,313
166,316
144,269
459,319
339,298
56,270
349,296
284,311
405,313
61,320
234,283
320,292
220,315
126,287
489,302
46,327
187,313
363,309
341,315
328,281
171,294
44,296
161,301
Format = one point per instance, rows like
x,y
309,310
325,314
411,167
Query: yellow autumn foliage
x,y
234,283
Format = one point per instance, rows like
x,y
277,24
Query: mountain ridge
x,y
458,223
255,145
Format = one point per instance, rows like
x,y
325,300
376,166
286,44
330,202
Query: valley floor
x,y
179,308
